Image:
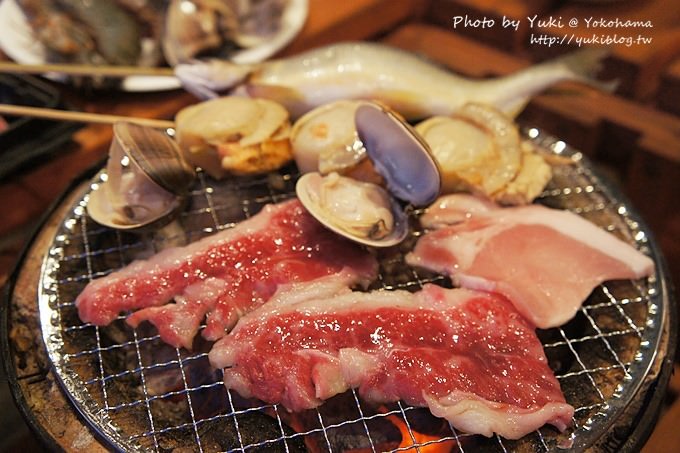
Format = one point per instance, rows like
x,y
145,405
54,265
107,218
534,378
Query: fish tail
x,y
585,64
512,93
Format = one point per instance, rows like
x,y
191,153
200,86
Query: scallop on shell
x,y
234,135
325,139
480,150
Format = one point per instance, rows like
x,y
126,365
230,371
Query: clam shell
x,y
398,154
102,212
146,182
158,156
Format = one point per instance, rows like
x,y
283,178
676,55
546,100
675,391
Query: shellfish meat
x,y
479,149
146,180
234,135
363,211
325,139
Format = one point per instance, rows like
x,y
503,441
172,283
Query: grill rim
x,y
665,296
616,197
5,307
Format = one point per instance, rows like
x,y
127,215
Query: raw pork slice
x,y
225,275
546,261
467,355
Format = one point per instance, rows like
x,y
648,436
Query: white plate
x,y
18,42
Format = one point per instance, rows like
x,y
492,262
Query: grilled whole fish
x,y
363,70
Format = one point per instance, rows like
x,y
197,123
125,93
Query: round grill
x,y
140,394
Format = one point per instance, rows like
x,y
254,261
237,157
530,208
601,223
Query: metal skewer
x,y
85,70
82,117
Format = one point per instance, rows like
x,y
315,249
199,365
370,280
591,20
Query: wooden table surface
x,y
632,133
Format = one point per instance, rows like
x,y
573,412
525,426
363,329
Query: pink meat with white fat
x,y
223,276
546,261
468,356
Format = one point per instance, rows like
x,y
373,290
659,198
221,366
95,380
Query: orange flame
x,y
412,438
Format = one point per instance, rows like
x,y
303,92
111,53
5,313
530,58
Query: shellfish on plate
x,y
194,28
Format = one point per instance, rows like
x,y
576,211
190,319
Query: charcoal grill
x,y
138,394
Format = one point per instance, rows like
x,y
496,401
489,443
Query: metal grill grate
x,y
143,395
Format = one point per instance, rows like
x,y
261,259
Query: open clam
x,y
146,180
364,211
361,211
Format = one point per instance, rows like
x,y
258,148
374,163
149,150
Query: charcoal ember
x,y
422,421
344,428
167,379
353,437
211,400
256,432
163,373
